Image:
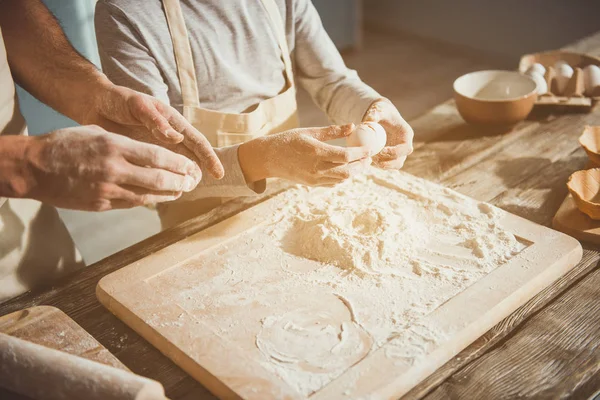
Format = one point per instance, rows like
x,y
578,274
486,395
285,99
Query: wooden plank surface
x,y
507,327
50,327
567,338
570,220
439,133
536,195
536,198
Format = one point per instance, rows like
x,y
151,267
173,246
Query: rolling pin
x,y
42,373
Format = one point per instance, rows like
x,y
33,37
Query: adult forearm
x,y
16,179
44,62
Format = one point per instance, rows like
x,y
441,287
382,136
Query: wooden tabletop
x,y
550,347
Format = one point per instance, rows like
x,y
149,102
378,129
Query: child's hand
x,y
300,155
399,134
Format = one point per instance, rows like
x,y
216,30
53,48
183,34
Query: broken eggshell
x,y
590,141
584,186
368,134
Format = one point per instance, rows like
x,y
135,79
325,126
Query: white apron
x,y
273,115
35,246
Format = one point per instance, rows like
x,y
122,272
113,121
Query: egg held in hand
x,y
368,134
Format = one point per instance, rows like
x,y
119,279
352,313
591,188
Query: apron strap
x,y
183,53
279,29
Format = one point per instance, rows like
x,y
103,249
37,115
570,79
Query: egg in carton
x,y
569,79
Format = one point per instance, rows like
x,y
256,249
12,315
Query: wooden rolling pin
x,y
42,373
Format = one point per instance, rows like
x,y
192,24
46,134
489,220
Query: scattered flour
x,y
340,272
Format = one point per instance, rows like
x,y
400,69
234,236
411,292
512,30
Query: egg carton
x,y
573,94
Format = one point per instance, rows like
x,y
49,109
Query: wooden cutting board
x,y
156,296
570,220
50,327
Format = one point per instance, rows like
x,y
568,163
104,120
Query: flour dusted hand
x,y
399,134
88,168
144,118
300,155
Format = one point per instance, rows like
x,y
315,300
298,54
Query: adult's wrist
x,y
17,179
97,92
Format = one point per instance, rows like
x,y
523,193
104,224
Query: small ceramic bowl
x,y
590,141
584,186
494,97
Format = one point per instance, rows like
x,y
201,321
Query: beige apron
x,y
35,246
273,115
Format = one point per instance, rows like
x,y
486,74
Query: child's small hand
x,y
399,134
302,156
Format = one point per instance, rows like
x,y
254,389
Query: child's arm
x,y
338,90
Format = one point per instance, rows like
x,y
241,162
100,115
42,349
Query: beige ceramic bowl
x,y
590,141
494,97
585,187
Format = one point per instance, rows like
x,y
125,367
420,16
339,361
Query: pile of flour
x,y
339,272
363,227
358,232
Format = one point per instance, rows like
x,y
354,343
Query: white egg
x,y
369,134
536,68
591,79
540,82
564,72
560,64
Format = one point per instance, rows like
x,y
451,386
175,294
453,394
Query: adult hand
x,y
123,110
300,155
399,134
88,168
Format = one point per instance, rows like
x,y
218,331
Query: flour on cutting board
x,y
340,272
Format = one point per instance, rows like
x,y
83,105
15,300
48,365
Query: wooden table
x,y
550,347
